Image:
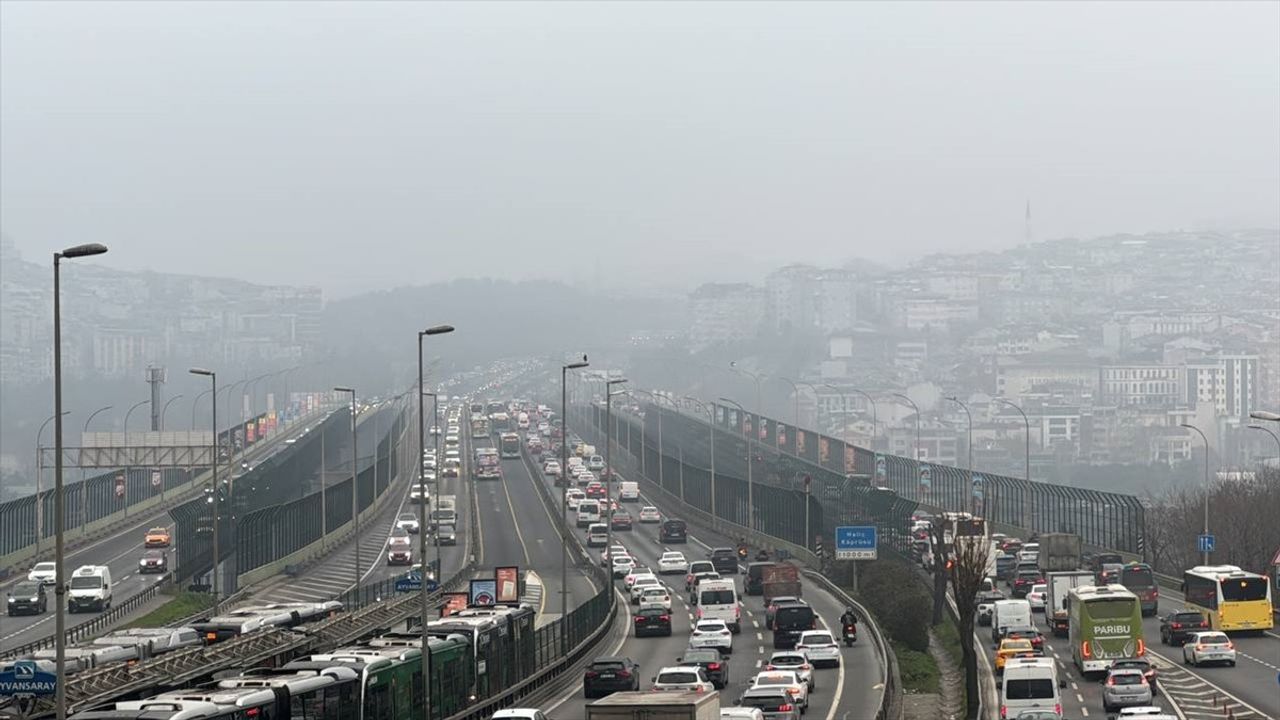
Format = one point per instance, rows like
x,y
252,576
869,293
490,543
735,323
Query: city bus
x,y
479,427
500,423
509,446
1141,581
1104,624
493,407
1229,597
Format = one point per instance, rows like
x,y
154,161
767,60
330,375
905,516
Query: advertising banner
x,y
824,450
484,591
850,459
453,602
508,582
119,484
800,442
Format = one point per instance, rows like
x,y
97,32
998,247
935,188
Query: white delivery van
x,y
718,600
1030,684
90,588
588,513
628,491
1007,614
597,535
522,421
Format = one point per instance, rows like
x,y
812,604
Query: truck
x,y
447,502
663,705
1055,601
780,579
1059,552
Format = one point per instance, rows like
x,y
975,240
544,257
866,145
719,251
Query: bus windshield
x,y
1244,589
1110,609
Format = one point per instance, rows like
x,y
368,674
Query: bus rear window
x,y
1112,609
1137,577
1029,689
1242,589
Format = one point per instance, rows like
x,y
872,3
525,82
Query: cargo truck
x,y
1059,552
780,579
663,705
1055,600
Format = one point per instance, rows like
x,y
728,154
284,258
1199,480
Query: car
x,y
157,537
620,520
1144,664
986,604
519,714
655,596
789,680
712,662
1037,595
595,463
27,597
398,536
772,608
774,702
607,554
683,677
819,647
1124,687
597,535
419,494
551,468
797,662
698,579
153,561
672,562
1026,633
642,582
400,555
1024,580
1012,648
610,674
1209,647
1146,712
636,573
595,490
724,560
575,498
650,514
407,522
1176,627
713,634
43,573
740,713
623,565
446,535
695,567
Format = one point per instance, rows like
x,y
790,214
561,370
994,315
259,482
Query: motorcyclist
x,y
762,556
849,618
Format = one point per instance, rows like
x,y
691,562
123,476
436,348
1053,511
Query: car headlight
x,y
10,599
35,599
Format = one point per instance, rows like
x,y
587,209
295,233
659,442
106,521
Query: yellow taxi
x,y
1014,647
157,537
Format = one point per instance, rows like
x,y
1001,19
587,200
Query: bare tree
x,y
1242,517
967,568
940,552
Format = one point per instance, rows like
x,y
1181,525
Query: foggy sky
x,y
358,146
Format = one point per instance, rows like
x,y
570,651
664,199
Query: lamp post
x,y
796,392
130,412
972,504
355,482
733,365
83,512
564,483
422,509
917,409
711,431
1026,501
750,461
39,482
194,404
1205,554
217,491
657,404
59,580
814,390
165,408
1270,432
608,455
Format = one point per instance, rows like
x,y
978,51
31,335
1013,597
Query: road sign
x,y
155,478
26,678
413,583
1206,543
856,542
881,466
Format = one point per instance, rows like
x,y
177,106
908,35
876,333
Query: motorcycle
x,y
762,556
850,634
742,552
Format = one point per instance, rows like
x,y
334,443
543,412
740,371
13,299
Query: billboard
x,y
453,602
484,591
508,583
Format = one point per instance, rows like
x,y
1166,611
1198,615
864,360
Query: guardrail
x,y
93,626
891,707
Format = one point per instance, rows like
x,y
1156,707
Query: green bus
x,y
1104,624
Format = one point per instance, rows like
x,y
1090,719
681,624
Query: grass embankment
x,y
902,608
180,605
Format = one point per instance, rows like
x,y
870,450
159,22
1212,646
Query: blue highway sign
x,y
24,677
1207,543
856,542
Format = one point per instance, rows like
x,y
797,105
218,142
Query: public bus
x,y
476,408
479,427
493,407
1229,597
1141,581
499,423
1104,624
509,446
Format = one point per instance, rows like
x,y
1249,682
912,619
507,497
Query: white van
x,y
718,600
628,491
1030,684
597,535
588,512
90,588
1007,614
522,421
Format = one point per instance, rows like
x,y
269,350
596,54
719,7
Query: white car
x,y
636,573
797,688
1209,647
595,463
575,498
642,582
519,714
407,522
623,565
655,596
609,552
683,678
551,469
650,514
712,634
672,562
819,647
1036,596
796,661
44,573
741,713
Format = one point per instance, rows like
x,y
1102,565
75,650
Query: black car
x,y
610,674
153,561
673,531
1023,581
710,660
725,560
1176,627
789,620
755,577
28,597
653,621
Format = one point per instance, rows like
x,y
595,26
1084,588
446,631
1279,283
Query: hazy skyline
x,y
358,146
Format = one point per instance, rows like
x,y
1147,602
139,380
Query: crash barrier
x,y
107,498
769,530
95,625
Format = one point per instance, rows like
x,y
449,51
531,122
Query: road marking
x,y
519,535
616,649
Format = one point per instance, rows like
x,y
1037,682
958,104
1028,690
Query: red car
x,y
595,490
621,521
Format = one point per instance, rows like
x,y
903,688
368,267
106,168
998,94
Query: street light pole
x,y
59,502
564,486
973,505
796,392
165,408
217,491
422,513
711,430
1026,500
750,482
39,482
917,409
355,482
130,412
1270,432
662,482
608,458
83,514
194,404
1205,554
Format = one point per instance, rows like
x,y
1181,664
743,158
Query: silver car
x,y
1125,687
773,702
795,661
